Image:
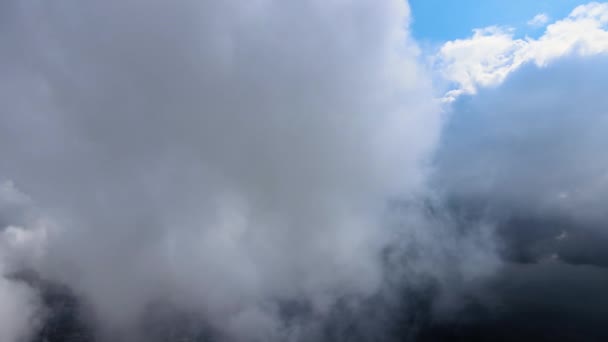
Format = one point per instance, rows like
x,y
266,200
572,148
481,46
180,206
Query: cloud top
x,y
492,53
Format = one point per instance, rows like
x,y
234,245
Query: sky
x,y
438,21
269,171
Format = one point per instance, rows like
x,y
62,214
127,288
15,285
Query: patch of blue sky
x,y
437,21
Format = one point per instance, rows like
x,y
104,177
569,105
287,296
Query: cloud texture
x,y
284,171
527,154
227,159
524,150
492,53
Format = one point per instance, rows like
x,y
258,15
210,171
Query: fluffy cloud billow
x,y
226,161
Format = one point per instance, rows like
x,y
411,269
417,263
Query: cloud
x,y
20,309
224,159
492,53
528,155
17,313
260,171
523,149
535,142
539,20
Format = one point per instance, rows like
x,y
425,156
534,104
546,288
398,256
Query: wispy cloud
x,y
539,20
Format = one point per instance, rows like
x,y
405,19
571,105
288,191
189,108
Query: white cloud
x,y
222,157
491,54
539,20
485,59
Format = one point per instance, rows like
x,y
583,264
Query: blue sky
x,y
441,20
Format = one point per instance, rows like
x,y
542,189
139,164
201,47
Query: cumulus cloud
x,y
492,53
224,158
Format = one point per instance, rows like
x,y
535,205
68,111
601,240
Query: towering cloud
x,y
230,159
